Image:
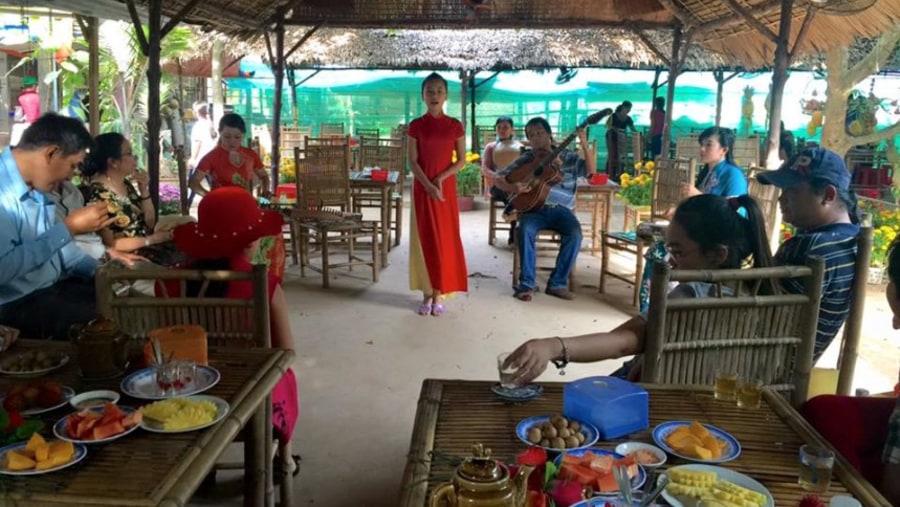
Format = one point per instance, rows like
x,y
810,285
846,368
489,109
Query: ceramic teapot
x,y
100,347
483,482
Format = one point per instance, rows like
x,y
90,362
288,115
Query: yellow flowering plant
x,y
885,224
638,190
468,179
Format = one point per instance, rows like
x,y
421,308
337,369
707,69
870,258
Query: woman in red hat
x,y
232,244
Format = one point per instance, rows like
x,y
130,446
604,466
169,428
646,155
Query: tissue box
x,y
615,406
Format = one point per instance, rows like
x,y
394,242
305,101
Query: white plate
x,y
67,394
626,448
222,409
59,429
724,473
35,373
732,449
142,384
80,453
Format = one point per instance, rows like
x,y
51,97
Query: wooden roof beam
x,y
810,14
681,13
752,20
178,17
652,47
136,21
726,21
309,33
454,24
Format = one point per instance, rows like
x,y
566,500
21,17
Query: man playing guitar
x,y
555,214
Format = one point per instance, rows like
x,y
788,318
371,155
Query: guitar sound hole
x,y
538,171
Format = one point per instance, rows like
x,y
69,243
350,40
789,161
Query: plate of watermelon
x,y
593,467
97,425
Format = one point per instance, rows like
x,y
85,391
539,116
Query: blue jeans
x,y
555,218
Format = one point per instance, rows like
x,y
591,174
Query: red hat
x,y
229,220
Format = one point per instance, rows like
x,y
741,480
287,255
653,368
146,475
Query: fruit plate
x,y
591,435
80,453
142,384
636,482
222,409
59,429
723,473
67,393
64,360
732,448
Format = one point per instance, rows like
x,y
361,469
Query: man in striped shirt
x,y
817,200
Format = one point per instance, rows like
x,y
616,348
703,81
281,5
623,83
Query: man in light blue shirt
x,y
556,214
46,281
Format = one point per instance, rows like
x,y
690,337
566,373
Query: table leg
x,y
595,224
385,224
255,461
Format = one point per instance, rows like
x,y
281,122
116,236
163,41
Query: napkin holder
x,y
615,406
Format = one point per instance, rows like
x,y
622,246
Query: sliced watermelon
x,y
606,483
107,430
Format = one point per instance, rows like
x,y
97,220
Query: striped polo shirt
x,y
836,245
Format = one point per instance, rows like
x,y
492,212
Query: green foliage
x,y
468,179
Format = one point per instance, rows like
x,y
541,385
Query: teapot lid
x,y
480,467
101,325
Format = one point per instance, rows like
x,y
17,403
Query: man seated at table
x,y
556,214
37,251
817,200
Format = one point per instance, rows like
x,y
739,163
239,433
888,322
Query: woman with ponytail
x,y
706,232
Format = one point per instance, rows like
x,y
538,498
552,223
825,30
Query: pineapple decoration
x,y
861,112
746,125
813,107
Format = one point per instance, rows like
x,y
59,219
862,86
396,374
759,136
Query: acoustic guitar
x,y
542,172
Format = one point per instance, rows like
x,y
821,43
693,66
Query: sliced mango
x,y
62,449
16,461
699,431
35,441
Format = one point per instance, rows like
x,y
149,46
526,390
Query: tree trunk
x,y
674,70
154,76
218,99
779,78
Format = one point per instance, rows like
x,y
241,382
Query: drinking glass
x,y
167,375
816,464
726,385
506,374
749,392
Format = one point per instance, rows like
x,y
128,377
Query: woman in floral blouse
x,y
111,176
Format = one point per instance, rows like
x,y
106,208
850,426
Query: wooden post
x,y
779,79
93,40
276,60
674,70
720,78
292,83
464,80
154,76
476,143
215,77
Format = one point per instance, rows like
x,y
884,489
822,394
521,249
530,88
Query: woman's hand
x,y
688,190
143,182
435,189
531,358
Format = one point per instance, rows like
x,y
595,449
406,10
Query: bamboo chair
x,y
321,215
293,137
767,198
746,151
495,220
667,181
638,146
687,146
753,333
331,129
386,153
546,241
227,322
626,154
853,325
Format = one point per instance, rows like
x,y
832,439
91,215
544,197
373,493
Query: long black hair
x,y
106,146
714,221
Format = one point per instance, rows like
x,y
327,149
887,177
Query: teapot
x,y
100,347
483,482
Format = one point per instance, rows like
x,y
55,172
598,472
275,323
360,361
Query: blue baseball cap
x,y
809,164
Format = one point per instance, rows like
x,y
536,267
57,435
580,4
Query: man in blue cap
x,y
817,200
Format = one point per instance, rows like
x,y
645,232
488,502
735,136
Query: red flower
x,y
811,501
534,456
536,499
15,420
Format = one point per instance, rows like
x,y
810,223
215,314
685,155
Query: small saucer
x,y
518,394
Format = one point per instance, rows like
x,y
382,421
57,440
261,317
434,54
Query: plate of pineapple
x,y
38,456
179,415
713,486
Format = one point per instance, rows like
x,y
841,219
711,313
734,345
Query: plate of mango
x,y
695,441
39,456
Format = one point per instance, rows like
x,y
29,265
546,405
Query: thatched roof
x,y
717,25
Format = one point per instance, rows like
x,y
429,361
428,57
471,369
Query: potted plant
x,y
468,181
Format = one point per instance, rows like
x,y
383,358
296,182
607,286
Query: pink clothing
x,y
30,102
657,122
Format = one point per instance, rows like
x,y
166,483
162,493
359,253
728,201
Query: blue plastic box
x,y
615,406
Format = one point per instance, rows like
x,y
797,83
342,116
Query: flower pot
x,y
466,202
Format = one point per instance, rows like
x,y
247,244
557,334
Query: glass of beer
x,y
506,374
816,464
749,392
726,385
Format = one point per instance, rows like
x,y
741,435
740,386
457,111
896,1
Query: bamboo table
x,y
359,183
151,469
454,414
598,200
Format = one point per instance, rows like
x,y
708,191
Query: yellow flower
x,y
650,165
624,178
638,166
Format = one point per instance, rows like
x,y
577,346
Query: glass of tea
x,y
816,464
726,384
749,392
506,374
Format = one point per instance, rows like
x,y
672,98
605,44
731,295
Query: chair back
x,y
767,198
853,325
637,146
738,326
686,146
746,151
668,178
323,176
626,155
331,129
386,153
227,322
293,137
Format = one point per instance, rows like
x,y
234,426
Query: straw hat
x,y
229,220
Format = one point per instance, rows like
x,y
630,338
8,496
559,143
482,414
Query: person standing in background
x,y
203,134
620,121
657,126
28,110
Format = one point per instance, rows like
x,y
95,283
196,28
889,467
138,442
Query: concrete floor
x,y
362,353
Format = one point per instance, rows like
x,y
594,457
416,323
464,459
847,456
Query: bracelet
x,y
145,197
561,363
146,241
